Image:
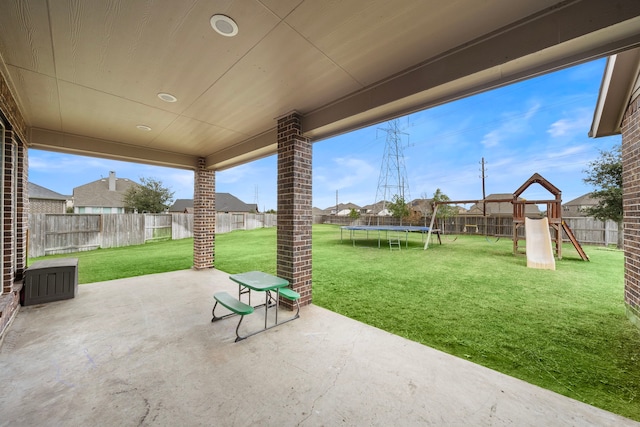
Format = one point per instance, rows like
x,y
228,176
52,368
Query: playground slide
x,y
538,246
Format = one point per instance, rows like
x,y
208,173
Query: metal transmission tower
x,y
393,174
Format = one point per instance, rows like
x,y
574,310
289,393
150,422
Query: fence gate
x,y
157,227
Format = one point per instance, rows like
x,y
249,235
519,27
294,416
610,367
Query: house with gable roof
x,y
225,202
105,195
42,200
497,208
577,206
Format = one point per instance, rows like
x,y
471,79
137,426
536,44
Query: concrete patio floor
x,y
143,351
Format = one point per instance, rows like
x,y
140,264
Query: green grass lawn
x,y
563,330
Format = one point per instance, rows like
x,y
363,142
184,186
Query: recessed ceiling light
x,y
167,97
224,25
144,127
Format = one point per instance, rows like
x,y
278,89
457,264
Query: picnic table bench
x,y
256,281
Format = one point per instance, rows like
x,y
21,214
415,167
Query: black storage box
x,y
50,280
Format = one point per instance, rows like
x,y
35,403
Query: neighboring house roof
x,y
225,202
99,194
317,211
576,206
375,208
619,86
342,207
182,205
500,208
38,192
583,200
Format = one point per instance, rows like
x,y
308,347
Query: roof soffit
x,y
619,80
342,65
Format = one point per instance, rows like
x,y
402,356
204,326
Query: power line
x,y
392,180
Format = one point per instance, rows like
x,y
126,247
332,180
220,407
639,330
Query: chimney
x,y
112,181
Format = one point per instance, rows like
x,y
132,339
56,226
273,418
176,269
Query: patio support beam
x,y
564,35
294,207
204,216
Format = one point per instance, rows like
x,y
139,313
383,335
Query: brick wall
x,y
22,209
45,206
295,215
8,202
631,208
204,217
14,233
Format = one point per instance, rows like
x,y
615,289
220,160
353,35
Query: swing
x,y
470,228
448,237
486,235
492,241
443,232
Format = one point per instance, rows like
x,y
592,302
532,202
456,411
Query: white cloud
x,y
354,179
493,138
345,172
577,124
531,112
43,161
235,174
513,124
560,128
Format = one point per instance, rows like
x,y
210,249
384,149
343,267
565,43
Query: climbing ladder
x,y
575,242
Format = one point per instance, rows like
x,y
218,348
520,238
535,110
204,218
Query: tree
x,y
354,214
398,207
150,196
605,174
444,211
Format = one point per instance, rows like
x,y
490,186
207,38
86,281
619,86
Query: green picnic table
x,y
260,282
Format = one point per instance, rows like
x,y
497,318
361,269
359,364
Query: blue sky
x,y
539,125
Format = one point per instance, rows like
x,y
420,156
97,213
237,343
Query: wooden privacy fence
x,y
51,234
588,231
67,233
157,227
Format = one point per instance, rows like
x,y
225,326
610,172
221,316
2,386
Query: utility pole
x,y
484,203
336,202
255,199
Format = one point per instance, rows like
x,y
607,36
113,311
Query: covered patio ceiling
x,y
87,74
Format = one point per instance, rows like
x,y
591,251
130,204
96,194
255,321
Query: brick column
x,y
294,207
204,217
14,203
22,210
631,209
9,237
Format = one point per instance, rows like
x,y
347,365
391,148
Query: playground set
x,y
540,245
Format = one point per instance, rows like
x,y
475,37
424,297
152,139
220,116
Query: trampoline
x,y
406,229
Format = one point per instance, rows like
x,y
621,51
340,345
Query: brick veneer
x,y
204,217
14,233
631,208
294,207
45,206
9,238
22,210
